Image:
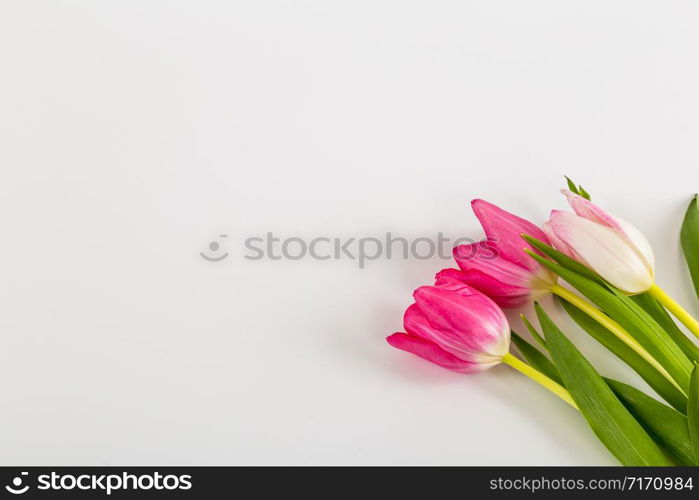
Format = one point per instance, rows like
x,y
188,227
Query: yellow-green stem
x,y
539,377
677,310
615,328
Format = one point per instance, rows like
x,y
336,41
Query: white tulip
x,y
612,247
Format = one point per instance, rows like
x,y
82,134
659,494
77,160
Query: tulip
x,y
454,326
498,267
457,327
610,246
613,248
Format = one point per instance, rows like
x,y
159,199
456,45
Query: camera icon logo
x,y
16,487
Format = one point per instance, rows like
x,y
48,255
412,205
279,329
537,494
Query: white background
x,y
134,133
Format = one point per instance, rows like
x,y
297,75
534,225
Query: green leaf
x,y
618,430
645,301
666,426
577,189
653,377
609,419
693,411
584,194
632,318
571,185
663,341
536,358
663,318
689,236
533,332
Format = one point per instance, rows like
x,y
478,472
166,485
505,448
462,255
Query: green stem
x,y
615,328
539,377
677,310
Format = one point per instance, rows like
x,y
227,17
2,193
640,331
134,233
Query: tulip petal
x,y
505,230
507,283
559,244
491,261
588,210
604,250
502,294
639,242
449,275
585,208
433,353
470,325
416,324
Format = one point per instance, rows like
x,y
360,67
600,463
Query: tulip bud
x,y
612,247
454,326
498,266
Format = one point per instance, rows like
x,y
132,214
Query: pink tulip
x,y
498,266
454,326
612,247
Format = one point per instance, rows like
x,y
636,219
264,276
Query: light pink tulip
x,y
498,266
454,326
612,247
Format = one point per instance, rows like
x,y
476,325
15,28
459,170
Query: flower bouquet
x,y
601,269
